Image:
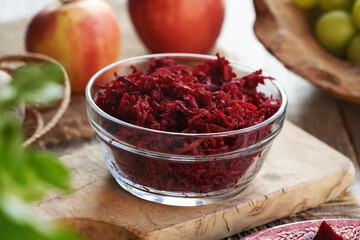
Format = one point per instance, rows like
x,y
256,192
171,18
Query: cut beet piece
x,y
325,232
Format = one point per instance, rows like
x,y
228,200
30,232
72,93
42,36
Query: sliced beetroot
x,y
325,232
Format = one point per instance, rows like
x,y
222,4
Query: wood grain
x,y
296,176
317,113
351,115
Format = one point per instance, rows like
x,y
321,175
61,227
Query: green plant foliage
x,y
26,174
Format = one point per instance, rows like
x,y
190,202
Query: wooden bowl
x,y
284,30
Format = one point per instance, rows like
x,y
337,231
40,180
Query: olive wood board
x,y
300,172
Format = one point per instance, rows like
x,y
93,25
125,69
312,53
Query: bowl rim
x,y
91,102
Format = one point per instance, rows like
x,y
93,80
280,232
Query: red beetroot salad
x,y
207,98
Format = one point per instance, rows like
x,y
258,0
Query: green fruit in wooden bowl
x,y
329,5
334,30
305,4
356,12
353,50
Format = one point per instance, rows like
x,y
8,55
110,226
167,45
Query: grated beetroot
x,y
208,98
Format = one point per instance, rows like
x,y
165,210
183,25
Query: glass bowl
x,y
151,164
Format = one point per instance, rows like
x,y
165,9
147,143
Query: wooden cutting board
x,y
300,172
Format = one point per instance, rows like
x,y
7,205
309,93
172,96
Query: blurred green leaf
x,y
50,170
16,222
49,93
11,139
24,184
16,173
34,81
26,174
33,77
8,98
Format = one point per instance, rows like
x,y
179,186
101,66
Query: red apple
x,y
81,34
177,25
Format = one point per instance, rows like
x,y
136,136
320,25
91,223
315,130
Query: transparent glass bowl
x,y
155,172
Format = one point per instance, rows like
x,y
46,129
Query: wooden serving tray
x,y
300,172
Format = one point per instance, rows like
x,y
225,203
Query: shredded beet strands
x,y
208,98
175,98
184,177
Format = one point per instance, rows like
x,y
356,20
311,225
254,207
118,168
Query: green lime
x,y
334,30
305,4
353,50
328,5
356,12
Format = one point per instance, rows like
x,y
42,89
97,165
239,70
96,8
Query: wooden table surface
x,y
334,122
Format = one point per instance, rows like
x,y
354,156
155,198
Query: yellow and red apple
x,y
81,34
177,25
